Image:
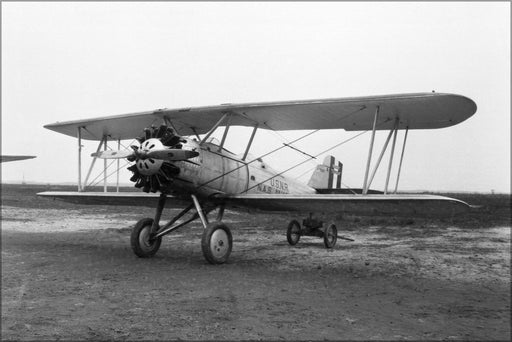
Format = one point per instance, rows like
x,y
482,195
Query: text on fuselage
x,y
276,186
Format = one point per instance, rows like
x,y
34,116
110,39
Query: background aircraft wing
x,y
415,111
4,159
363,205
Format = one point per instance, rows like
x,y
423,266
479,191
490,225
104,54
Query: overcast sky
x,y
66,61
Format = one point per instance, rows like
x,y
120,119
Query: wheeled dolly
x,y
312,227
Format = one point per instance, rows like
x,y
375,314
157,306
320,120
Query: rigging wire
x,y
349,188
103,173
255,159
279,148
296,149
324,151
100,174
106,177
306,172
287,143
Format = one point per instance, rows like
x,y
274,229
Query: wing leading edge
x,y
363,205
140,199
376,205
413,111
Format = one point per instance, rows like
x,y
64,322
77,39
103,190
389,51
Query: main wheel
x,y
330,236
216,243
293,232
142,245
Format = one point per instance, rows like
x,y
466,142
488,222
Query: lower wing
x,y
141,199
365,205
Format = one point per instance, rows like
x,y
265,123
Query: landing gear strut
x,y
216,242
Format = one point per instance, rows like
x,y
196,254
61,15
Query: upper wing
x,y
415,111
4,159
374,205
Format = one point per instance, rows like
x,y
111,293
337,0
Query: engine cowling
x,y
155,174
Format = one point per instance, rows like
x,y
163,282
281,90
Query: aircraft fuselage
x,y
217,171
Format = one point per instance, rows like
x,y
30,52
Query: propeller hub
x,y
154,168
149,166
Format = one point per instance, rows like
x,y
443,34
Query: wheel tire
x,y
141,245
330,236
293,232
216,243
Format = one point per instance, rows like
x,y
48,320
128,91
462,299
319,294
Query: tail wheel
x,y
216,243
330,236
293,232
142,245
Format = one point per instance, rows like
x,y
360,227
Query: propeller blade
x,y
171,154
113,154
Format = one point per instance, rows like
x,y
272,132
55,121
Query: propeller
x,y
168,154
153,170
113,154
172,154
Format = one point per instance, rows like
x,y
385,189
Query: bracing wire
x,y
106,177
325,151
287,143
255,159
291,168
93,182
279,148
306,172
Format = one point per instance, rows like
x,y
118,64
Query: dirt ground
x,y
68,273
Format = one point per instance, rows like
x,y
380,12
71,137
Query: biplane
x,y
175,162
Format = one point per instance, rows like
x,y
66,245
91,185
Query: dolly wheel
x,y
330,236
216,243
293,232
142,245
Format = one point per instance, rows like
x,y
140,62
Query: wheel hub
x,y
218,243
144,239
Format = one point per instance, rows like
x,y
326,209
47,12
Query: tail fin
x,y
327,175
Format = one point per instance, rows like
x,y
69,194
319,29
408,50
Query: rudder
x,y
327,175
